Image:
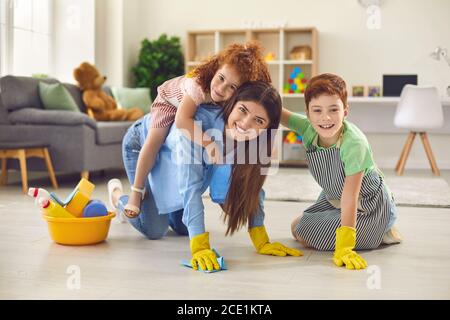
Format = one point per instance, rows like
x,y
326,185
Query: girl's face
x,y
246,120
326,114
224,83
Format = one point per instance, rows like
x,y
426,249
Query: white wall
x,y
109,45
410,30
74,36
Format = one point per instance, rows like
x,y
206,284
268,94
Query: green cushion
x,y
54,96
132,97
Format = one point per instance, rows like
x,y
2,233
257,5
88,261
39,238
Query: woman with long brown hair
x,y
244,128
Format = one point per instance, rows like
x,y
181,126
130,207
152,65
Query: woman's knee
x,y
154,233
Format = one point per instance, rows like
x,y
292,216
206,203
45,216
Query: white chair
x,y
419,110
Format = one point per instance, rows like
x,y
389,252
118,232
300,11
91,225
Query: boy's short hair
x,y
326,84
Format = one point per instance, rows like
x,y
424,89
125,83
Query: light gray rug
x,y
298,185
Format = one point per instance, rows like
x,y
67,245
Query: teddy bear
x,y
101,106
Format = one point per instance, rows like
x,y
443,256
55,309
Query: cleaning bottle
x,y
38,193
53,209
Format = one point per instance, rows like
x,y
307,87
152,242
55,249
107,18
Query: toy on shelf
x,y
292,138
300,53
296,82
270,56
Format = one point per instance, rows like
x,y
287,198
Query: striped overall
x,y
319,222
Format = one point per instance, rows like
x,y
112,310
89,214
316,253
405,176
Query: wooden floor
x,y
127,266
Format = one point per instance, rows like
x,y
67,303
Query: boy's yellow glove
x,y
202,255
261,242
343,253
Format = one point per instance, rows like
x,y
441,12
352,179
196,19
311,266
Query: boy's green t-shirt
x,y
354,149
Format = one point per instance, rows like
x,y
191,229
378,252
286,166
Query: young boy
x,y
355,209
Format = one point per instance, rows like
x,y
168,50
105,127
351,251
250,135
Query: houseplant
x,y
159,60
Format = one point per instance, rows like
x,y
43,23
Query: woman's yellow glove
x,y
261,242
202,255
343,253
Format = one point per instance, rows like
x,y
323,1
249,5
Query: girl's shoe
x,y
392,236
114,184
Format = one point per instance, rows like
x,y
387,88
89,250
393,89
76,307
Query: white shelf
x,y
292,95
386,100
294,62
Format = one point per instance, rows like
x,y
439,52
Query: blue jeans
x,y
149,222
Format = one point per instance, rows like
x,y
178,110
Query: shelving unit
x,y
202,44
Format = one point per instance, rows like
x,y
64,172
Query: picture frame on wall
x,y
358,91
374,91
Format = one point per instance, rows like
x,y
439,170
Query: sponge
x,y
81,196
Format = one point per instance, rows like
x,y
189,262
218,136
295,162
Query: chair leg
x,y
427,147
85,175
23,169
4,177
51,173
402,155
405,153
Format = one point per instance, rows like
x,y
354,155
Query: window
x,y
25,37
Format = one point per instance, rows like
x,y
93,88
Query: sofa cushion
x,y
21,92
3,113
132,97
111,132
54,96
76,95
50,117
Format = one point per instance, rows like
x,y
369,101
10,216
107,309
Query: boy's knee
x,y
295,234
294,225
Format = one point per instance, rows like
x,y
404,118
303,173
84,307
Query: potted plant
x,y
159,60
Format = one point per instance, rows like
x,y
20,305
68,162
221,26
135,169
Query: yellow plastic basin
x,y
79,231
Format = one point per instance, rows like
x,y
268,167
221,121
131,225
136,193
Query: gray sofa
x,y
77,143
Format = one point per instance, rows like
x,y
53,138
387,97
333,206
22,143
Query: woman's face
x,y
224,83
246,120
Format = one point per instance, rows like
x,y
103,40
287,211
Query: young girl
x,y
214,82
176,201
355,208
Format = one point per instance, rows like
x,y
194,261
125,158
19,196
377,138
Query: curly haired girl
x,y
214,81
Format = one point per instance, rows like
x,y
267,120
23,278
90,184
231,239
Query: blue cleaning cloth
x,y
65,202
220,261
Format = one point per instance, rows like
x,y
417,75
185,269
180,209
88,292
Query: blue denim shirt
x,y
181,175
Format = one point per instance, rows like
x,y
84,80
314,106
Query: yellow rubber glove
x,y
261,242
343,253
202,255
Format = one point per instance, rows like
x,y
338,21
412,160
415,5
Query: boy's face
x,y
326,114
224,83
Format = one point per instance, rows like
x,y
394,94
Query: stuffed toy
x,y
101,106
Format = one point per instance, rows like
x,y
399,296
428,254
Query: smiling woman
x,y
175,188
